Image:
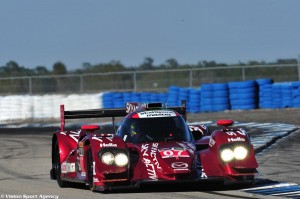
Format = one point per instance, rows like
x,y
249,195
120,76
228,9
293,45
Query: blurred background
x,y
217,55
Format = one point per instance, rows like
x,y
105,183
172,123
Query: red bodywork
x,y
149,162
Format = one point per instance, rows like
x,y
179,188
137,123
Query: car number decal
x,y
174,153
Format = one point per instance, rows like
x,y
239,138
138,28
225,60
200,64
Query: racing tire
x,y
57,167
90,167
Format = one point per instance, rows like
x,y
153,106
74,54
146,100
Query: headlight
x,y
240,152
227,155
121,159
108,158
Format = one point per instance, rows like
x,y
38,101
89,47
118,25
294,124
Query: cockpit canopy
x,y
154,126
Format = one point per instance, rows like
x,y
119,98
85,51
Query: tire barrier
x,y
287,95
276,96
195,101
214,97
296,94
243,95
184,94
265,92
173,96
26,107
119,99
220,97
206,98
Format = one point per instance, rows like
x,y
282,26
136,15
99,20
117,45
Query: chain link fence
x,y
154,80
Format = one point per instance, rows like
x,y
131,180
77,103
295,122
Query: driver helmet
x,y
134,131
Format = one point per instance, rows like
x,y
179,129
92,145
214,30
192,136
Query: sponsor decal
x,y
150,169
74,135
211,142
63,167
132,107
197,128
144,149
70,167
156,113
150,160
241,131
96,180
236,139
179,165
174,153
203,174
236,133
67,167
94,170
108,145
153,155
80,151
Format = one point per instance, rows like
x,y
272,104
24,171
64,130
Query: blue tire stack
x,y
287,95
206,98
154,97
173,96
127,97
136,97
145,96
163,97
184,94
220,97
195,100
118,100
296,94
107,100
243,95
265,93
276,95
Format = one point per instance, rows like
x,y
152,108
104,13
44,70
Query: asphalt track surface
x,y
25,160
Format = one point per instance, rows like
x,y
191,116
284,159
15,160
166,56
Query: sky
x,y
40,33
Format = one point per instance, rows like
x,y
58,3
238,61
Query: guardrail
x,y
152,80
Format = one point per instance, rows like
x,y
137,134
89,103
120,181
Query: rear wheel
x,y
90,166
57,167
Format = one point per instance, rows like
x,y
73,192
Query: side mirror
x,y
90,128
225,123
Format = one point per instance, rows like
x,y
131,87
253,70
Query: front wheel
x,y
90,166
57,167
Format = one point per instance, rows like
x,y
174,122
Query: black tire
x,y
90,167
57,167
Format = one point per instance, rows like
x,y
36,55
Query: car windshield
x,y
157,129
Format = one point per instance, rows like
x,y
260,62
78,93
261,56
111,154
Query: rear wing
x,y
113,112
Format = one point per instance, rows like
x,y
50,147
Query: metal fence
x,y
152,80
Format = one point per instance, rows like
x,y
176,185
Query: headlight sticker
x,y
234,151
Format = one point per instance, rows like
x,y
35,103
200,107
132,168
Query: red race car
x,y
152,145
